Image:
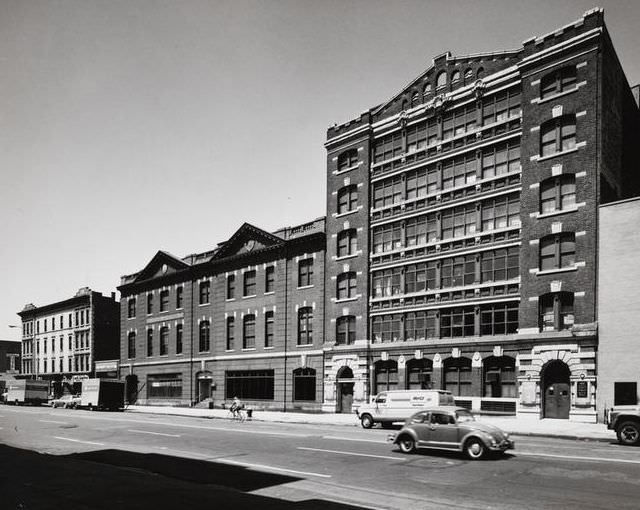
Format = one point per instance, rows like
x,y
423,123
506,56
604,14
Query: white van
x,y
397,405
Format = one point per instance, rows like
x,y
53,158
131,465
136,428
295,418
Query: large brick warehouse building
x,y
462,227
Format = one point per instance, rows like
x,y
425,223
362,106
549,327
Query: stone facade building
x,y
462,227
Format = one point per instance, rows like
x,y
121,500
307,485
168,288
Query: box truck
x,y
102,394
27,391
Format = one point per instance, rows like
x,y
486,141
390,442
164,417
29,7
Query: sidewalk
x,y
521,426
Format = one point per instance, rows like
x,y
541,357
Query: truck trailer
x,y
27,391
102,394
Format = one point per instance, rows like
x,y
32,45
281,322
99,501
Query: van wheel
x,y
629,433
366,421
407,444
475,449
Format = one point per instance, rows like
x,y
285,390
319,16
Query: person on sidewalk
x,y
236,406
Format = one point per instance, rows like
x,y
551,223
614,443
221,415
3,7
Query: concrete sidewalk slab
x,y
519,426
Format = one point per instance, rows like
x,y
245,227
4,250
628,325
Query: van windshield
x,y
464,416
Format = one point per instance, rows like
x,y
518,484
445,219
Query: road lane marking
x,y
78,440
577,457
266,467
355,454
153,433
54,421
342,438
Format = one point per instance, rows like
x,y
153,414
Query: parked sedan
x,y
66,401
451,428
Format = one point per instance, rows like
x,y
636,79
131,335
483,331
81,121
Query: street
x,y
104,460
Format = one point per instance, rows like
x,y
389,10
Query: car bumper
x,y
504,445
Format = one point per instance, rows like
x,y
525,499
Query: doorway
x,y
344,395
131,388
557,390
205,380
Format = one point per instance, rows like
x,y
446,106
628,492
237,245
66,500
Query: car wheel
x,y
475,449
366,421
407,444
629,433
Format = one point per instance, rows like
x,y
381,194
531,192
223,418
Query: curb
x,y
570,437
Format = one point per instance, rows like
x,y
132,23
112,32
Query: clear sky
x,y
137,125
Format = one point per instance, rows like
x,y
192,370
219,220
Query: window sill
x,y
559,270
230,299
555,96
269,348
248,349
270,293
345,257
557,212
249,296
557,154
304,345
305,287
130,318
204,304
179,308
347,299
347,213
348,169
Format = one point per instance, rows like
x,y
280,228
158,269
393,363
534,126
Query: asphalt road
x,y
60,458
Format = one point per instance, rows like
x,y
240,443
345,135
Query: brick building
x,y
462,227
244,319
62,341
618,305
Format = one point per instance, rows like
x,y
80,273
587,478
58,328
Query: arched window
x,y
386,373
164,341
405,105
427,89
347,242
346,330
557,251
441,79
558,193
556,311
304,384
499,377
419,372
468,75
415,99
249,331
305,326
558,81
455,76
204,337
457,376
346,285
347,199
558,135
131,344
231,325
479,73
347,159
131,308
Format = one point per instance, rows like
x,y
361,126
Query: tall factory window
x,y
179,339
346,285
305,273
268,329
420,325
249,331
459,221
500,377
458,271
499,319
149,342
386,373
386,328
501,264
164,341
347,199
558,135
500,159
457,376
131,308
164,300
557,251
269,278
456,322
387,192
305,326
458,172
420,277
204,292
131,345
500,212
230,332
231,286
347,242
204,336
558,193
500,106
386,283
346,330
149,307
249,283
179,296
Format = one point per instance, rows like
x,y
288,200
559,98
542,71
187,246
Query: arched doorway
x,y
205,380
556,390
131,388
344,382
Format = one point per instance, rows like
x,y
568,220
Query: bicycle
x,y
237,414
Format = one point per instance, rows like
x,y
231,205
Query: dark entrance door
x,y
557,395
345,400
131,388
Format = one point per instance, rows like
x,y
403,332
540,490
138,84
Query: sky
x,y
127,127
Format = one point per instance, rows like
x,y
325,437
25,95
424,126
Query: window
x,y
386,373
625,393
45,325
459,121
420,325
468,75
420,277
500,159
231,286
557,251
558,135
420,230
480,72
455,76
457,376
305,273
387,237
499,319
204,337
416,183
204,292
131,308
416,135
386,283
419,372
179,297
441,79
457,322
558,81
459,171
346,330
305,326
347,199
556,311
347,159
269,278
386,328
346,285
387,147
230,333
149,306
558,193
427,89
500,213
149,342
249,384
347,242
415,99
249,283
131,345
500,106
502,264
304,384
458,221
164,300
268,329
249,332
387,192
165,386
500,377
164,341
179,338
458,271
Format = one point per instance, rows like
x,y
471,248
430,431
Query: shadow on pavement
x,y
108,479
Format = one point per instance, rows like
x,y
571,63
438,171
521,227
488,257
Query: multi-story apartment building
x,y
462,225
244,319
61,341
